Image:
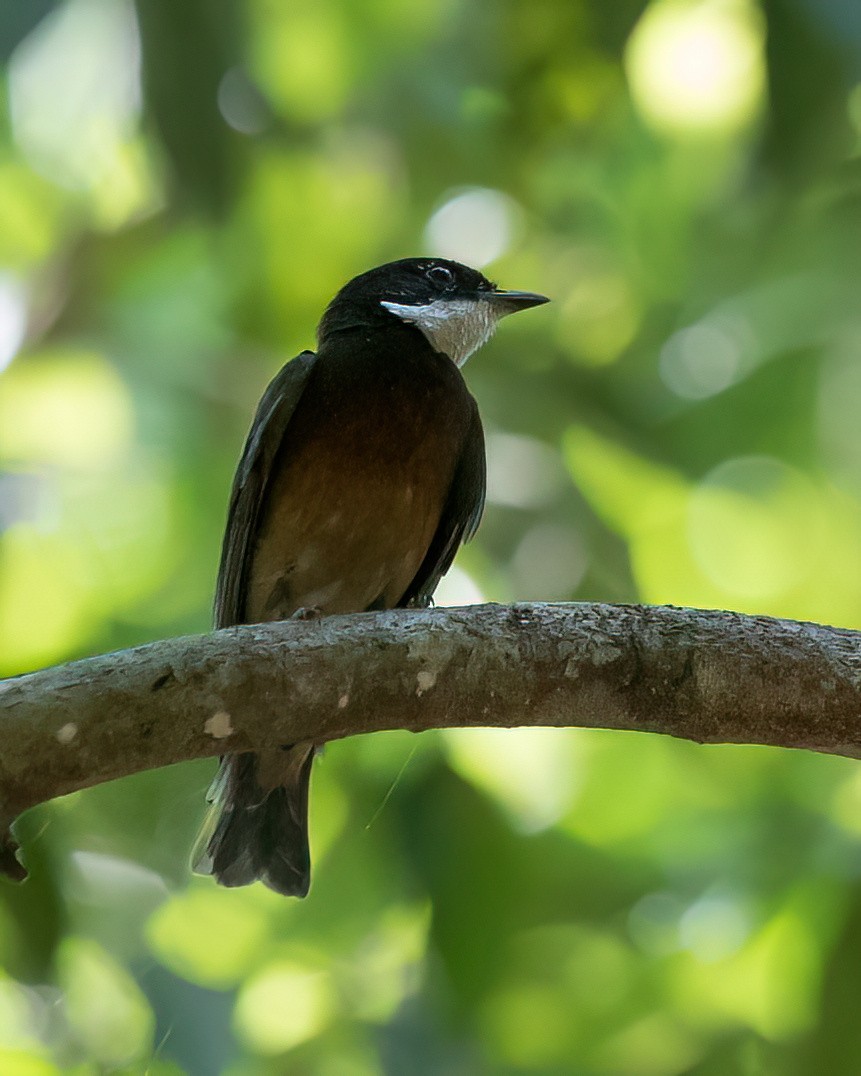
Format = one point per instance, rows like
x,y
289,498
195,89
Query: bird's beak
x,y
509,302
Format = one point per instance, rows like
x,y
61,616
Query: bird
x,y
363,472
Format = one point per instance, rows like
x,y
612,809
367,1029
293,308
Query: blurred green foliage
x,y
183,186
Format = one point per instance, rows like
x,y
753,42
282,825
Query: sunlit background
x,y
183,186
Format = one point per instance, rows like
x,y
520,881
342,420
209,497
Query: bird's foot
x,y
307,612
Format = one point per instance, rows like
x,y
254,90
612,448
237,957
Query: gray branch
x,y
712,677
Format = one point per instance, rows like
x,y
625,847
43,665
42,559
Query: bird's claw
x,y
307,612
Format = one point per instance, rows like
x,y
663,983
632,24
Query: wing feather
x,y
460,517
250,486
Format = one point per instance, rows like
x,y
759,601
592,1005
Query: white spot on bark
x,y
218,726
604,653
342,701
572,668
425,680
67,733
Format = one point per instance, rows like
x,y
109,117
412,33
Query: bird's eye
x,y
440,275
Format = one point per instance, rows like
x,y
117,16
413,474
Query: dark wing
x,y
249,486
460,517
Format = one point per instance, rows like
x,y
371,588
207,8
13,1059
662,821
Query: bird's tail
x,y
257,827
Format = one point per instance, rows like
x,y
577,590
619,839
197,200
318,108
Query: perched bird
x,y
363,472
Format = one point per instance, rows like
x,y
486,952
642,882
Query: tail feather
x,y
254,831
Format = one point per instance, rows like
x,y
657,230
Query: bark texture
x,y
708,676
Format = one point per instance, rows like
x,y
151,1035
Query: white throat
x,y
456,327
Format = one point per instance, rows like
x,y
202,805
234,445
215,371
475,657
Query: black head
x,y
455,307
